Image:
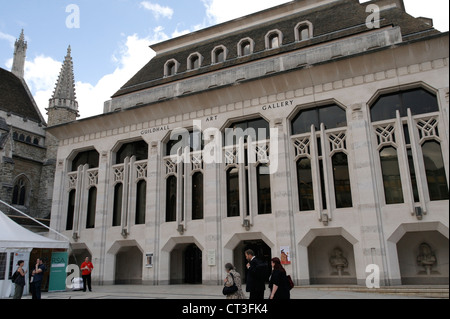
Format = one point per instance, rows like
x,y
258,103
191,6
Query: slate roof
x,y
14,97
330,22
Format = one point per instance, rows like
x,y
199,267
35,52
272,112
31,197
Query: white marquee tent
x,y
17,243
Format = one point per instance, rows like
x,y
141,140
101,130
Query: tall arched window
x,y
305,184
233,192
248,170
197,196
20,191
92,207
435,171
264,190
408,121
71,210
324,128
141,200
117,210
341,177
171,199
391,175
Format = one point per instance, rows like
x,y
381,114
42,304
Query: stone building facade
x,y
27,151
302,132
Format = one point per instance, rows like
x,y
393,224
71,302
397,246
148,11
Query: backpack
x,y
14,277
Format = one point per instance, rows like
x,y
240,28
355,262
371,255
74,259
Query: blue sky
x,y
110,44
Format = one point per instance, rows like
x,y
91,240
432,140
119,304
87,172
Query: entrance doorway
x,y
128,266
262,252
186,265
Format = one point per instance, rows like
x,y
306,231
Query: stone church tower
x,y
20,52
63,108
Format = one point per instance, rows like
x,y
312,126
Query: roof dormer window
x,y
274,39
245,47
219,54
194,61
303,31
171,68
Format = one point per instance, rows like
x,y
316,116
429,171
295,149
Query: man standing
x,y
37,277
256,276
86,270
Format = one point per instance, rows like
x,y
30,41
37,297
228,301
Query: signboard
x,y
58,272
285,255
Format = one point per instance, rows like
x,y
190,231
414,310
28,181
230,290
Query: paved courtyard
x,y
189,292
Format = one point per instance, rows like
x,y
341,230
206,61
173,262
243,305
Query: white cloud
x,y
219,11
158,10
11,39
42,72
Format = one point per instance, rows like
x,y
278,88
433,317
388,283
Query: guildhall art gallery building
x,y
305,131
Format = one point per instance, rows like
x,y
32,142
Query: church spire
x,y
64,97
20,52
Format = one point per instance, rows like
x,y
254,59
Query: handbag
x,y
290,282
230,290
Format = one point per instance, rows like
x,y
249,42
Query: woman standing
x,y
278,283
233,278
19,283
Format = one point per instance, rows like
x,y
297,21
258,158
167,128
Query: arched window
x,y
92,207
303,31
341,177
197,196
274,39
141,200
325,128
171,199
89,157
20,191
171,68
404,119
435,171
71,210
391,175
233,192
332,116
117,209
194,61
219,54
249,170
245,47
138,149
305,184
264,190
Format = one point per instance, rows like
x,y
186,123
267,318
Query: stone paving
x,y
189,292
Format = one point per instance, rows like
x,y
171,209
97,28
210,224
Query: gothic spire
x,y
20,52
64,97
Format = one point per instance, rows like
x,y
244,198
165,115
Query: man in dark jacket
x,y
256,276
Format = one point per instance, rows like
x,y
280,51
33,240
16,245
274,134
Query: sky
x,y
110,39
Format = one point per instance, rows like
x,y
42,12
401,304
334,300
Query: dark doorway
x,y
262,252
193,265
186,265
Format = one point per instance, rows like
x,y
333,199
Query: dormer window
x,y
303,31
171,68
194,61
245,47
274,39
219,54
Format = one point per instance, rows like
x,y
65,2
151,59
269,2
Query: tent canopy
x,y
12,235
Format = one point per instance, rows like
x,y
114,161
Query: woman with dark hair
x,y
233,278
19,282
278,283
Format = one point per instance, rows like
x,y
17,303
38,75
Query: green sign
x,y
58,272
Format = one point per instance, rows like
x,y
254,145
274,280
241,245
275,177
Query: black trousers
x,y
87,282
